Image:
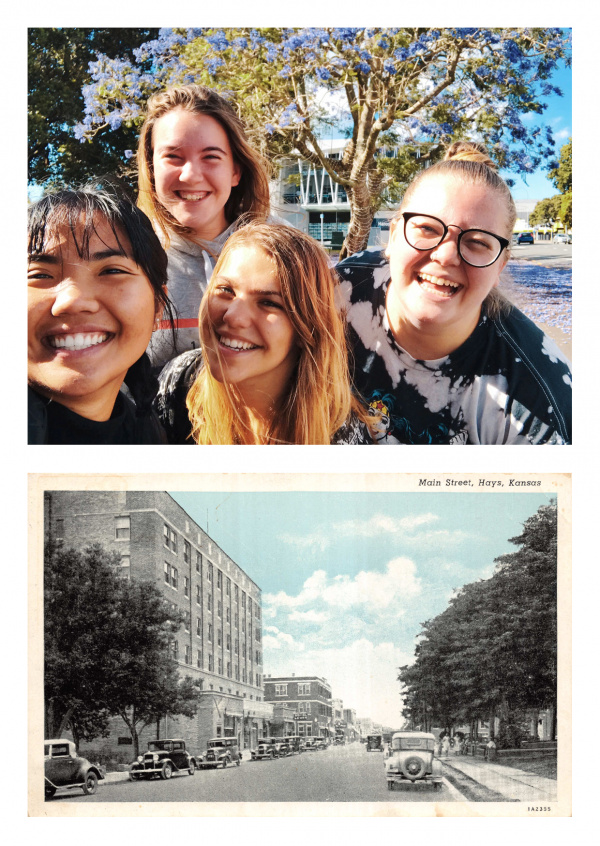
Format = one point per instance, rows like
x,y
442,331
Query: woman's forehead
x,y
458,200
88,234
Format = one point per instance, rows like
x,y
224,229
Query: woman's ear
x,y
393,235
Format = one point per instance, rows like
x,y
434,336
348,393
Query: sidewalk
x,y
512,783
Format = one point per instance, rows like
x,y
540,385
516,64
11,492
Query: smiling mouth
x,y
188,197
78,341
237,346
444,287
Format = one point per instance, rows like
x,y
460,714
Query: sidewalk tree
x,y
547,211
492,652
562,176
107,647
416,88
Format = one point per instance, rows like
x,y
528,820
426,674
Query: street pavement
x,y
338,774
514,784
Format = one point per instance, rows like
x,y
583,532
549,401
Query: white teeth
x,y
435,280
78,341
237,345
199,196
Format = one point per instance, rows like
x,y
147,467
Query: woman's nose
x,y
237,313
446,251
190,171
74,296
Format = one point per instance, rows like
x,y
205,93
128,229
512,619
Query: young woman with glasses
x,y
452,361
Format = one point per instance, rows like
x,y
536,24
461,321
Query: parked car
x,y
561,238
320,743
63,767
412,760
374,742
525,238
163,758
282,746
220,751
297,744
266,749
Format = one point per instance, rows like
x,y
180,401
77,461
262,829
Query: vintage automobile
x,y
282,746
220,751
375,742
163,758
63,767
320,743
412,761
297,744
267,748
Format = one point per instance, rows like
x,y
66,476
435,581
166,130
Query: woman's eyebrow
x,y
47,258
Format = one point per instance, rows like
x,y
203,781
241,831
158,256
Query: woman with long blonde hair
x,y
273,365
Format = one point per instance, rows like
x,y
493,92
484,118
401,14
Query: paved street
x,y
338,774
543,252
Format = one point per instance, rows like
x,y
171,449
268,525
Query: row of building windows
x,y
303,689
240,674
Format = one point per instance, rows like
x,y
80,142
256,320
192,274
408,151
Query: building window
x,y
188,654
175,648
237,594
186,586
257,634
227,615
303,688
219,608
281,690
237,620
236,647
198,562
122,528
219,637
210,632
210,572
186,620
228,586
219,579
220,669
167,573
210,665
125,560
229,669
174,577
256,656
187,552
199,626
244,674
228,643
244,600
258,680
199,660
209,601
198,595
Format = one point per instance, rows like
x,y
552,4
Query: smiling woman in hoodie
x,y
197,176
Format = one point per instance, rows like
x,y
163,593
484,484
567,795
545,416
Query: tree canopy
x,y
411,89
559,207
493,650
107,644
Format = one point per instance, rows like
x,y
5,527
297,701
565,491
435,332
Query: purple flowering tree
x,y
413,90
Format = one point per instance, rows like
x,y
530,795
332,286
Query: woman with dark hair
x,y
197,176
96,288
429,329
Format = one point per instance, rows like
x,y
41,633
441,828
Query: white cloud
x,y
562,134
276,640
308,616
398,583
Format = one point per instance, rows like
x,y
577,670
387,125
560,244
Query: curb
x,y
472,790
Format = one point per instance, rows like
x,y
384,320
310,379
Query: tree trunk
x,y
361,217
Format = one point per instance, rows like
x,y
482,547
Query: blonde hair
x,y
319,398
469,161
250,197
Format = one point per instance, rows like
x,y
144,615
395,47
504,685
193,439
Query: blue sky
x,y
348,578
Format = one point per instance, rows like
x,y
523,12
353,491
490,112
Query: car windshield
x,y
216,744
158,745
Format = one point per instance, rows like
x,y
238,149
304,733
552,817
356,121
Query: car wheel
x,y
134,777
390,785
192,768
167,770
49,791
91,783
238,762
414,767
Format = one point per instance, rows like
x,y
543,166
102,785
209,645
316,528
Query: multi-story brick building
x,y
310,699
220,642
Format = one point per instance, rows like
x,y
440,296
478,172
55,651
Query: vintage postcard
x,y
311,645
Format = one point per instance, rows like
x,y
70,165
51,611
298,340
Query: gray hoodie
x,y
189,270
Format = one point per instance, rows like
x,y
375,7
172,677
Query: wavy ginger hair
x,y
319,398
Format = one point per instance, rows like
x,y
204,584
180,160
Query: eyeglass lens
x,y
476,247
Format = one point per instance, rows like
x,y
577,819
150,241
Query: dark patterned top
x,y
507,384
177,378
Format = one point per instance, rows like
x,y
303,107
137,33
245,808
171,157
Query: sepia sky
x,y
348,578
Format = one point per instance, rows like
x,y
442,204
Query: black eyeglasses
x,y
475,246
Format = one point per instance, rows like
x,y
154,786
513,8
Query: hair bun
x,y
469,151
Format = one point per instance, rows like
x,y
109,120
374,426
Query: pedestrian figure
x,y
446,746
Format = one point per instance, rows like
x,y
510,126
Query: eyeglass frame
x,y
504,242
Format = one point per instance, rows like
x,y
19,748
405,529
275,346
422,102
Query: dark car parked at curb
x,y
297,744
163,758
63,767
375,742
220,751
525,238
268,747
